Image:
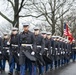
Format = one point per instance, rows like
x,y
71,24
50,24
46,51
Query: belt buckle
x,y
24,45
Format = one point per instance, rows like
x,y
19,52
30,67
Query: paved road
x,y
69,69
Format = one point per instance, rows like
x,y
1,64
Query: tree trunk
x,y
16,16
53,29
53,22
61,27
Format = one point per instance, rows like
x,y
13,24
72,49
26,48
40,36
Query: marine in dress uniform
x,y
69,51
66,51
5,51
61,51
57,52
73,50
1,57
49,37
40,44
14,51
27,49
47,53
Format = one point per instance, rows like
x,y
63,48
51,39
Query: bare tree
x,y
48,10
16,6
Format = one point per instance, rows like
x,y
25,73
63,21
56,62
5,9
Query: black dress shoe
x,y
10,73
0,71
17,72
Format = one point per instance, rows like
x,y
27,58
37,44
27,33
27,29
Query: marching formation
x,y
36,52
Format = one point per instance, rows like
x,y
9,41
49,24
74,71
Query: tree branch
x,y
32,16
37,8
6,18
11,3
20,7
48,20
50,3
62,14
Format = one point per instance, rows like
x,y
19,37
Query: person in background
x,y
5,50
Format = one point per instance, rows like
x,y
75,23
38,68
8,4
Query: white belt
x,y
14,45
5,48
56,48
26,45
58,53
39,46
63,52
74,48
46,48
51,47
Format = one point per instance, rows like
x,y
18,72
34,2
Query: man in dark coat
x,y
1,57
27,49
14,50
40,45
47,51
73,50
52,48
5,51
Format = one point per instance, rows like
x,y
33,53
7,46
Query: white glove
x,y
8,43
40,53
0,52
61,52
58,53
18,54
32,53
67,52
8,51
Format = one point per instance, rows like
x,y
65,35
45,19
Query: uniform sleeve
x,y
54,51
20,39
10,40
1,44
53,46
19,42
58,46
49,46
42,45
34,43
